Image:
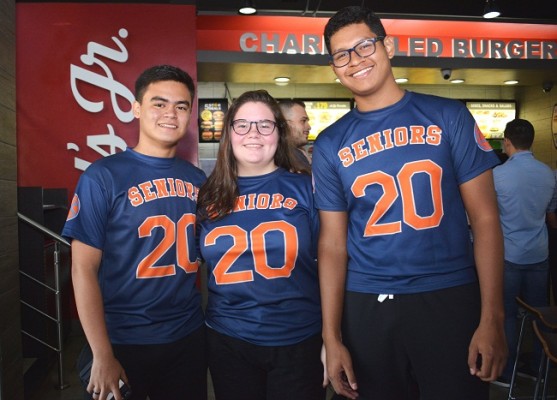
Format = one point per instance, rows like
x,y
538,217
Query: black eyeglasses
x,y
265,127
365,48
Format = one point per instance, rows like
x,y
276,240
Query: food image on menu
x,y
207,135
206,115
218,123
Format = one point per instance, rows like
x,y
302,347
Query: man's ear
x,y
389,43
136,109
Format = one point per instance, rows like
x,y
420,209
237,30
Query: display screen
x,y
323,113
492,116
211,116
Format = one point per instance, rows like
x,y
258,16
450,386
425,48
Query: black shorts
x,y
414,346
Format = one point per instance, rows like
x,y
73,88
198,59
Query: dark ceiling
x,y
540,10
537,11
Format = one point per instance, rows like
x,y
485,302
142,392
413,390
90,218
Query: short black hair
x,y
159,73
287,104
352,15
521,133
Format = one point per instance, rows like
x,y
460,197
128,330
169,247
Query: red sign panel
x,y
76,68
413,38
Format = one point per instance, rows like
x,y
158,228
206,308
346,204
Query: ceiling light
x,y
511,82
491,10
282,80
248,8
401,80
457,80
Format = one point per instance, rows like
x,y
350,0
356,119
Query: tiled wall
x,y
533,104
10,336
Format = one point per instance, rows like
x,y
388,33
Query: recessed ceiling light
x,y
248,8
401,80
491,9
282,80
457,80
511,82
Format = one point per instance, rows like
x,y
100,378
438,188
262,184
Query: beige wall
x,y
537,107
533,104
10,337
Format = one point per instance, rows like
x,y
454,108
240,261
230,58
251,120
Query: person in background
x,y
551,221
258,237
298,121
134,263
411,307
524,189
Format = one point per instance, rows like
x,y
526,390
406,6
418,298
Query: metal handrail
x,y
44,230
58,240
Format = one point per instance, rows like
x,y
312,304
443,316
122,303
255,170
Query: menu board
x,y
323,113
211,116
492,116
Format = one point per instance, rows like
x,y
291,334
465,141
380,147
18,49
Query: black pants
x,y
414,346
244,371
170,371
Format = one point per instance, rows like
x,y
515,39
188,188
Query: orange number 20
x,y
173,233
258,248
390,195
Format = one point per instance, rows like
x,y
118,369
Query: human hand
x,y
106,373
339,370
487,353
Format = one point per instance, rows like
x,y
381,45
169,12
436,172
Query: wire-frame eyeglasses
x,y
265,127
365,48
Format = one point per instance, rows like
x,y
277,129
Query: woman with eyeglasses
x,y
258,233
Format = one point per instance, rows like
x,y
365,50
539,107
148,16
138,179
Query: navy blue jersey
x,y
140,211
263,284
396,172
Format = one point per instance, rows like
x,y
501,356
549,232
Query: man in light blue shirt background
x,y
552,238
524,189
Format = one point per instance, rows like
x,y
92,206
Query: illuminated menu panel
x,y
323,113
211,116
492,116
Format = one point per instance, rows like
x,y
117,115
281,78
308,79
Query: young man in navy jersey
x,y
134,261
411,307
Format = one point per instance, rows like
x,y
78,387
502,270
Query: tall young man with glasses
x,y
258,237
412,309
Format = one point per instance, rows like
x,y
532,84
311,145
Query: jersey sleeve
x,y
88,214
471,152
328,191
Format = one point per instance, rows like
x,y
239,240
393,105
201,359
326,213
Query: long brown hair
x,y
217,197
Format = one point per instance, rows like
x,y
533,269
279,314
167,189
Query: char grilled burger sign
x,y
413,38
